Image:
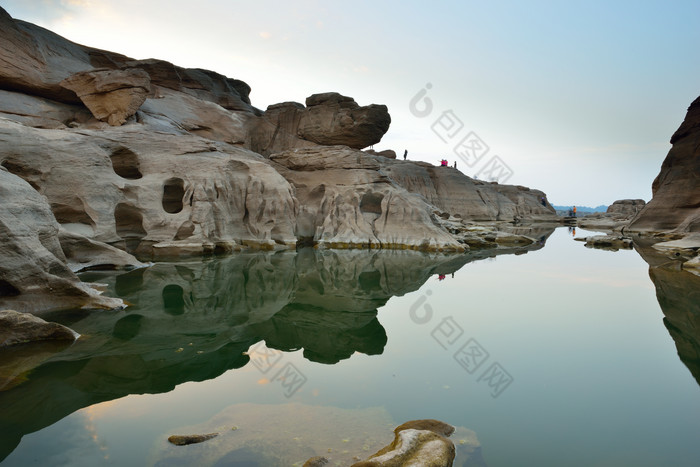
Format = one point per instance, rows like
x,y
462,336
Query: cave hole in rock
x,y
73,213
126,163
173,299
173,192
371,202
7,289
129,222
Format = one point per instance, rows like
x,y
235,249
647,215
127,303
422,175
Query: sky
x,y
575,98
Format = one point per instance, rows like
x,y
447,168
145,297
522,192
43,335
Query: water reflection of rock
x,y
678,293
192,321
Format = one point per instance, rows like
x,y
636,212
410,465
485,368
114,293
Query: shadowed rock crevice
x,y
126,163
7,289
173,193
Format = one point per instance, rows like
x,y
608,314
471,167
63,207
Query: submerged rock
x,y
607,242
419,443
184,440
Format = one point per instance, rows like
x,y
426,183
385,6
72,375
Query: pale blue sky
x,y
579,99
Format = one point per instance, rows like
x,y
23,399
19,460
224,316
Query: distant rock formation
x,y
617,217
675,206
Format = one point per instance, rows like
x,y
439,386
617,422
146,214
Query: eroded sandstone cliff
x,y
162,161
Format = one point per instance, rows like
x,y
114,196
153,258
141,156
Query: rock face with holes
x,y
155,160
675,205
151,195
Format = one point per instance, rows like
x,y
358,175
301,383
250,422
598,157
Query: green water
x,y
560,356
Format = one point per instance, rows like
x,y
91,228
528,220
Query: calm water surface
x,y
563,358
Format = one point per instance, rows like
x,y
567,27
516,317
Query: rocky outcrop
x,y
161,161
215,198
328,119
626,207
675,206
33,271
21,328
353,205
420,443
607,242
331,119
618,216
111,95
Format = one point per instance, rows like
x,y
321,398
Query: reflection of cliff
x,y
678,293
192,321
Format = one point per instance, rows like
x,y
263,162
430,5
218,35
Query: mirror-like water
x,y
561,356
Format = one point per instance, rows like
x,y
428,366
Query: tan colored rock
x,y
21,328
111,95
354,205
136,189
676,191
328,119
416,443
332,119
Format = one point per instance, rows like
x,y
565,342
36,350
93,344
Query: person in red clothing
x,y
574,211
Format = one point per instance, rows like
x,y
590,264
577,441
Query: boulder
x,y
419,443
674,205
22,328
626,207
332,119
329,119
111,95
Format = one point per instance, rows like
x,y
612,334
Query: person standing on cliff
x,y
405,153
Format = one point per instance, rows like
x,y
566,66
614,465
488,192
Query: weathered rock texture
x,y
21,328
33,271
618,215
111,95
329,119
162,161
419,443
675,205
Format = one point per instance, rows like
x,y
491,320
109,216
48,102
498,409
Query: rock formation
x,y
34,275
618,215
419,443
161,161
111,95
675,206
20,328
